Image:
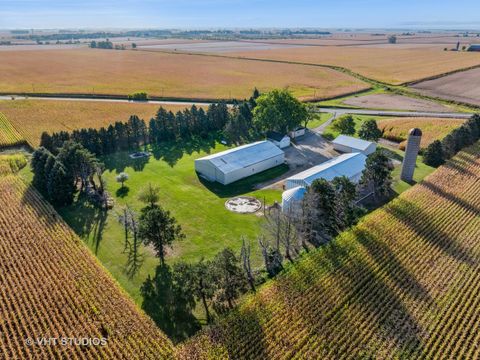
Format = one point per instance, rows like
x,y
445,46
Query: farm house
x,y
280,140
349,165
348,144
240,162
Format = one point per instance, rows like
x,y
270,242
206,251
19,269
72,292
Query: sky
x,y
432,14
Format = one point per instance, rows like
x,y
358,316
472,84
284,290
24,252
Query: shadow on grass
x,y
243,186
87,220
122,192
169,304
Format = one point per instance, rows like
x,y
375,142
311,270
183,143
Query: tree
x,y
311,114
392,39
278,110
130,223
346,208
134,45
271,255
59,185
122,177
327,224
245,253
378,173
369,130
149,195
433,154
228,277
158,228
344,125
39,160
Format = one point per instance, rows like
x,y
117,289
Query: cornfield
x,y
51,287
403,283
9,136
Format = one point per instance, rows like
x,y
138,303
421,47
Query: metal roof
x,y
295,194
348,165
352,142
243,156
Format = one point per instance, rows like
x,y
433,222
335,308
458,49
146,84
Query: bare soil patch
x,y
463,86
395,102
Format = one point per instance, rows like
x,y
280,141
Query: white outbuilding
x,y
280,140
297,132
349,165
348,144
240,162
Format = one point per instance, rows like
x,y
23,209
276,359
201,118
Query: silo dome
x,y
415,132
292,198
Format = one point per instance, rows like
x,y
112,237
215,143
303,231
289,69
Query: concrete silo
x,y
411,152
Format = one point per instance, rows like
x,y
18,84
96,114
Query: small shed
x,y
348,144
298,132
280,140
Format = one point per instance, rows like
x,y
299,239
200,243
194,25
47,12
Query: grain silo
x,y
411,152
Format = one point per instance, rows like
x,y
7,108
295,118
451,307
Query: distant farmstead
x,y
234,164
348,144
280,140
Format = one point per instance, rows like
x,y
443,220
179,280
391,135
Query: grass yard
x,y
163,74
396,129
393,65
198,206
32,117
320,119
9,136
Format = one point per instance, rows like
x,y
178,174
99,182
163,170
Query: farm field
x,y
9,136
163,74
394,102
389,66
462,86
52,287
403,283
396,129
32,117
197,205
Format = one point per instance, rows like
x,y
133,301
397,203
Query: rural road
x,y
335,111
342,111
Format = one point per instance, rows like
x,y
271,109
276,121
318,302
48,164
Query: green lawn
x,y
198,206
320,119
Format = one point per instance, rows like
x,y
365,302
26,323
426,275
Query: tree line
x,y
440,151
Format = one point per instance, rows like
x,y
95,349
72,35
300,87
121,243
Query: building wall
x,y
253,169
206,168
285,142
290,184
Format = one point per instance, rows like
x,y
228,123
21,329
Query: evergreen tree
x,y
378,173
39,159
59,185
433,154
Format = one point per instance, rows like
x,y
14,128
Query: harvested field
x,y
396,129
9,136
462,86
394,102
391,66
216,46
161,74
402,284
53,287
32,117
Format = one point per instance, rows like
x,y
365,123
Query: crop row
x,y
9,136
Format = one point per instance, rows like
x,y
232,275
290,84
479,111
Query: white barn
x,y
348,144
240,162
349,165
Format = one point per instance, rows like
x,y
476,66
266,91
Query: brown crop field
x,y
402,284
51,286
9,136
32,117
161,74
393,66
396,129
395,102
462,86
